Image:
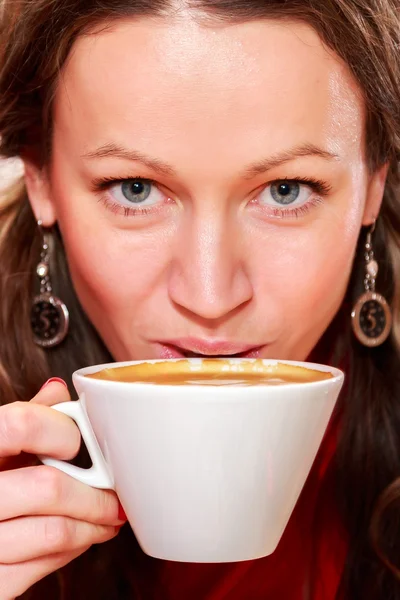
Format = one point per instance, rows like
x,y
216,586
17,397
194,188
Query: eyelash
x,y
319,187
104,183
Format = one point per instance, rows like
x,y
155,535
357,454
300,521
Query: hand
x,y
47,518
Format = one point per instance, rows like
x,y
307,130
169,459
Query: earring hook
x,y
370,232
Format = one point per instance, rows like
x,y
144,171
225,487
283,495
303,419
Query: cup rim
x,y
338,374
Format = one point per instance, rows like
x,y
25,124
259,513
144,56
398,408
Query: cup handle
x,y
98,475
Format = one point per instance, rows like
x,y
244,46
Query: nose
x,y
208,274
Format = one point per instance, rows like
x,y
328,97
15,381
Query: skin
x,y
212,260
46,518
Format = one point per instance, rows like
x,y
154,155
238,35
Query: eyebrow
x,y
276,160
258,168
115,151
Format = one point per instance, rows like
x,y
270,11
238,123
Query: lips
x,y
194,348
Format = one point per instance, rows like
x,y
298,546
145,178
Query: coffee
x,y
212,372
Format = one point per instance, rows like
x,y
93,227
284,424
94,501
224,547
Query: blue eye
x,y
136,191
141,192
285,193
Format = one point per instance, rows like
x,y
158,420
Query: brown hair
x,y
35,39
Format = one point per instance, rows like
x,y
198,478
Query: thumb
x,y
54,391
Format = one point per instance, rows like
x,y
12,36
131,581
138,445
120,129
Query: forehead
x,y
261,84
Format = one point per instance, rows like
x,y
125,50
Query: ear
x,y
375,190
38,188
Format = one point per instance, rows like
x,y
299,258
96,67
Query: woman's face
x,y
210,184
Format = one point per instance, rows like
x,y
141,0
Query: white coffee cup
x,y
205,473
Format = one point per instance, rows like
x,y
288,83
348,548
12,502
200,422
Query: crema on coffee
x,y
212,372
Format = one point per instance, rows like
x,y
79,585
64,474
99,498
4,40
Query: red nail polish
x,y
121,513
53,379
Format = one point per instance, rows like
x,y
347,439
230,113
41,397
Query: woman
x,y
207,177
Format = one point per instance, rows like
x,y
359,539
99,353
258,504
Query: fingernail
x,y
121,513
53,379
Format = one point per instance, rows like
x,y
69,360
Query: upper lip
x,y
210,347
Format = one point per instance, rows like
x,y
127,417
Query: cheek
x,y
305,275
320,277
113,273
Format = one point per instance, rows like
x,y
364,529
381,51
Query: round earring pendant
x,y
49,320
371,319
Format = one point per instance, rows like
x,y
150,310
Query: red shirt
x,y
309,558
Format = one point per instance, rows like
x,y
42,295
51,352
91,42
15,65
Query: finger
x,y
18,578
54,391
45,490
35,429
32,537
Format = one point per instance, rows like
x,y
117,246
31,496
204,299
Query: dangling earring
x,y
371,316
49,315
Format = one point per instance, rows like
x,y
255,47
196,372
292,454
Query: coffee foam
x,y
211,372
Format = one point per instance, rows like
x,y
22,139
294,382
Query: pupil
x,y
284,189
137,187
